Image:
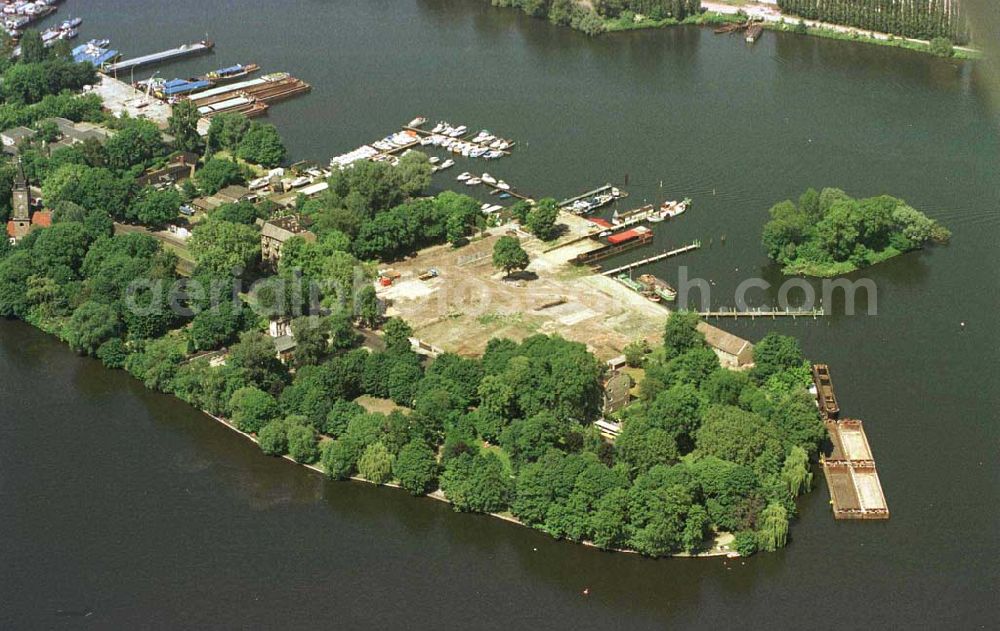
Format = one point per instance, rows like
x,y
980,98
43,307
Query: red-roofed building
x,y
42,218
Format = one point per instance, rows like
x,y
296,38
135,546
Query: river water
x,y
138,509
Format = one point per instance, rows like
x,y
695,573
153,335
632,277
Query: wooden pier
x,y
622,194
855,488
762,313
652,259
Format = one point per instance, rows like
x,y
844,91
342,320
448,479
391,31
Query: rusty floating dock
x,y
855,489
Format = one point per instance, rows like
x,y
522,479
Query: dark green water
x,y
132,505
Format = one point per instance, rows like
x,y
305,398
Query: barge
x,y
185,50
639,239
826,400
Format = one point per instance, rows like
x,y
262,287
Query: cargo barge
x,y
186,50
825,398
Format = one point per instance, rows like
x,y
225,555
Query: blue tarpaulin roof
x,y
180,86
96,56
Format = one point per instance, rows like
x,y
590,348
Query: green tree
x,y
337,459
135,144
508,255
183,126
416,467
681,333
542,219
32,48
773,531
311,343
302,446
477,483
773,354
273,438
221,248
368,308
254,356
252,408
217,174
376,463
216,326
91,325
741,437
261,145
397,335
156,208
225,131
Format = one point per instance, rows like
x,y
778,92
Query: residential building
x,y
276,232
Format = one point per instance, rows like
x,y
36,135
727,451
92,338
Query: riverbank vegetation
x,y
594,18
704,450
917,19
830,233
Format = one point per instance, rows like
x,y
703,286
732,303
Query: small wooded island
x,y
830,233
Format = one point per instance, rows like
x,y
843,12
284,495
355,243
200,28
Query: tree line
x,y
919,19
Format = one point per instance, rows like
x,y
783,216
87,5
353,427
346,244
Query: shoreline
x,y
714,552
717,14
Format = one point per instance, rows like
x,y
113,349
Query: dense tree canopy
x,y
832,233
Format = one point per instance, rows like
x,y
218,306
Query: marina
x,y
185,50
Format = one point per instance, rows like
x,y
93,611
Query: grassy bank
x,y
629,23
838,268
891,41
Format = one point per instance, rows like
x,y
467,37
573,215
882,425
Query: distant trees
x,y
832,233
920,19
509,256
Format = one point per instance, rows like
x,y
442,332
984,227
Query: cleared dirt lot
x,y
470,302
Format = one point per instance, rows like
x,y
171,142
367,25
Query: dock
x,y
185,50
652,259
597,191
764,313
590,201
855,488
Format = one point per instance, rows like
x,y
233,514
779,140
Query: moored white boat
x,y
489,179
447,163
472,181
